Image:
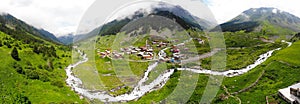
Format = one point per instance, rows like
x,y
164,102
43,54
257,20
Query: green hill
x,y
19,29
34,72
267,21
280,71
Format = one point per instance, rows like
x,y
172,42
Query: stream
x,y
140,89
232,73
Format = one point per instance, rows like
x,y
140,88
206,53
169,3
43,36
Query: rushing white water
x,y
232,73
289,43
140,89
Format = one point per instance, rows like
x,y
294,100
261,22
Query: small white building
x,y
288,96
147,57
133,51
201,41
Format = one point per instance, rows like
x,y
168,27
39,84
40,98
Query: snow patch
x,y
280,11
275,11
245,15
3,13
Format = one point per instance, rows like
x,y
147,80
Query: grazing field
x,y
240,58
110,75
280,71
35,76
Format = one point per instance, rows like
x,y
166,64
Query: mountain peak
x,y
264,10
3,13
266,20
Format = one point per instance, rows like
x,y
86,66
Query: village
x,y
154,51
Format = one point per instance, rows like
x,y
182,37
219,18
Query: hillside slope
x,y
269,21
15,27
33,72
173,12
280,71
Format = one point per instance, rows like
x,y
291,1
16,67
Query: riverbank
x,y
140,89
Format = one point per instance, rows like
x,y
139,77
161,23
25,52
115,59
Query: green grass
x,y
290,55
160,68
111,73
156,96
272,30
277,76
138,68
240,58
280,72
31,79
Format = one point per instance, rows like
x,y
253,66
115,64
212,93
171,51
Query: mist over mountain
x,y
66,39
182,13
173,12
176,13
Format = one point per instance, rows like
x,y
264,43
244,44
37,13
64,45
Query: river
x,y
140,89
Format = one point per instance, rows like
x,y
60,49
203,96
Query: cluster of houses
x,y
176,54
104,54
159,43
174,58
146,52
108,53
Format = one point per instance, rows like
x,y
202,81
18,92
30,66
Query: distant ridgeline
x,y
22,31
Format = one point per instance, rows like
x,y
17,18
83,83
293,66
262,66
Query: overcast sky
x,y
63,16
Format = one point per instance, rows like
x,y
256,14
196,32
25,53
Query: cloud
x,y
21,3
57,16
101,12
63,16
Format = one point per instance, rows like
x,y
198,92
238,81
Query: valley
x,y
163,55
141,89
243,49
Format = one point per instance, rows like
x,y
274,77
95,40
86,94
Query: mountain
x,y
182,13
184,18
32,65
266,20
66,39
14,26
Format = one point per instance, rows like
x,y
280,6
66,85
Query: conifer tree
x,y
15,54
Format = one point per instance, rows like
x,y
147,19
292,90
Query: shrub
x,y
15,54
57,83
